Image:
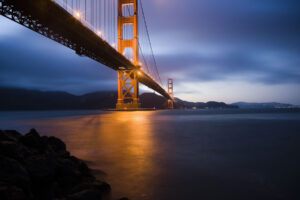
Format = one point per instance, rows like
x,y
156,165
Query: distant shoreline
x,y
24,99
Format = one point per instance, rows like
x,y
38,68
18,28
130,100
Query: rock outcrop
x,y
38,167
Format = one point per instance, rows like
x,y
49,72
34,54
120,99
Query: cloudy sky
x,y
233,50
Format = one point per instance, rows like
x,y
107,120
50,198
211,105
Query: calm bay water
x,y
164,155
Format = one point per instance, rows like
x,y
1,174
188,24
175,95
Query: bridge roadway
x,y
52,21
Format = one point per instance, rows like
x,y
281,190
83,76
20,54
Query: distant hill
x,y
201,105
24,99
246,105
151,100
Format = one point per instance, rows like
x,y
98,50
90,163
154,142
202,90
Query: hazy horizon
x,y
142,92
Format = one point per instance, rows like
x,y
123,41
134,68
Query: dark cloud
x,y
271,70
267,23
37,62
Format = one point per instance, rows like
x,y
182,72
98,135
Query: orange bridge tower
x,y
171,93
128,85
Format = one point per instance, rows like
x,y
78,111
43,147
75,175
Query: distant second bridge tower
x,y
171,93
128,85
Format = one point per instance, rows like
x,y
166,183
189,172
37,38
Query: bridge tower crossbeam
x,y
128,85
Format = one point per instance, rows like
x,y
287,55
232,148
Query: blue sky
x,y
227,51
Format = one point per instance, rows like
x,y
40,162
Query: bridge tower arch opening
x,y
171,93
128,85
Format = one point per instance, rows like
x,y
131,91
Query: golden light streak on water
x,y
119,143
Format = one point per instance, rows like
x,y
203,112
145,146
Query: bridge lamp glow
x,y
77,14
113,45
99,33
139,73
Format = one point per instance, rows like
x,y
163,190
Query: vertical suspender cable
x,y
146,27
101,16
92,14
109,23
104,22
96,15
128,13
85,12
114,20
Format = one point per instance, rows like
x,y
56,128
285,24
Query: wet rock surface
x,y
38,167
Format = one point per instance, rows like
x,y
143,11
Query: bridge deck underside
x,y
49,19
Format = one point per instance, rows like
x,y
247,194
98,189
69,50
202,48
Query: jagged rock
x,y
34,167
90,194
4,137
41,168
67,174
56,144
42,171
11,149
13,173
32,140
9,135
12,192
82,166
97,185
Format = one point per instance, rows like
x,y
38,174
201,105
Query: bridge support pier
x,y
128,90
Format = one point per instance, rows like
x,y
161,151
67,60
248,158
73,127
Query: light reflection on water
x,y
179,154
119,143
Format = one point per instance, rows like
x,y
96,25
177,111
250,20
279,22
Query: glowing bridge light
x,y
99,33
77,14
139,73
113,45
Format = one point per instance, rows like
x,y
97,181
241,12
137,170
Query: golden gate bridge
x,y
111,32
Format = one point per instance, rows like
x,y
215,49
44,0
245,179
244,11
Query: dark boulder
x,y
41,169
82,166
56,144
11,192
68,175
38,167
96,185
9,135
32,140
89,194
14,174
11,149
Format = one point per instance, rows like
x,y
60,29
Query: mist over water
x,y
179,154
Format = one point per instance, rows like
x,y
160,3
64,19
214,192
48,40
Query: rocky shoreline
x,y
34,167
